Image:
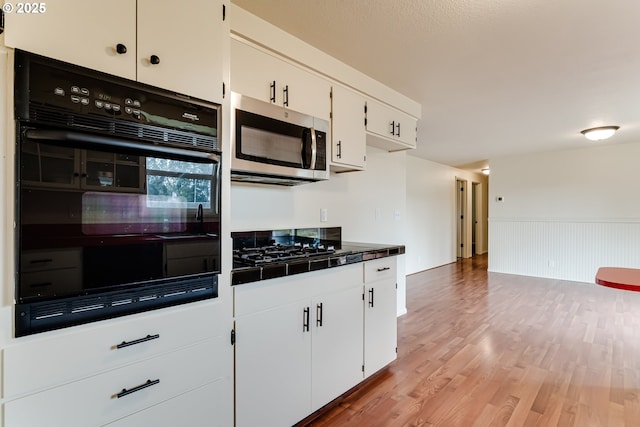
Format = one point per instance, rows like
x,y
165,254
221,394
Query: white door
x,y
273,366
381,335
337,344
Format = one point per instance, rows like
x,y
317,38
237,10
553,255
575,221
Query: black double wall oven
x,y
118,196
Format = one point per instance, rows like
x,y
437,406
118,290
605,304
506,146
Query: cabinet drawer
x,y
49,260
193,249
203,407
51,281
103,398
49,359
380,269
267,294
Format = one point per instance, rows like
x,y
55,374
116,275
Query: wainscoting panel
x,y
567,249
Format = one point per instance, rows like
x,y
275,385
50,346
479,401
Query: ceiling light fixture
x,y
596,134
486,171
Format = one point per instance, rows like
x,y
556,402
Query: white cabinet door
x,y
408,131
394,130
273,372
187,39
85,33
305,92
380,314
253,73
265,77
348,133
336,344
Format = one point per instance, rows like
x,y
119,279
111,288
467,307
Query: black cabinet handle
x,y
384,269
339,155
398,129
121,49
272,93
319,314
393,127
371,297
154,59
124,344
126,392
305,319
285,95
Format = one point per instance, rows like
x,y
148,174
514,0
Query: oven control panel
x,y
66,88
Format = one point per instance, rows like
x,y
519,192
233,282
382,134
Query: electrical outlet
x,y
324,215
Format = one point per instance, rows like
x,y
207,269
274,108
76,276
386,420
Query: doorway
x,y
461,208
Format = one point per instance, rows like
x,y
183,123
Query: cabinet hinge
x,y
233,337
396,286
363,296
224,12
396,350
362,368
224,89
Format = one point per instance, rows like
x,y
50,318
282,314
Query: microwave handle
x,y
314,148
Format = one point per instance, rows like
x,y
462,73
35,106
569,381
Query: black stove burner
x,y
278,253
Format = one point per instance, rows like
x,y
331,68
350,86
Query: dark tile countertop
x,y
349,253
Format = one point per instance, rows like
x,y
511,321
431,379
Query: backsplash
x,y
330,236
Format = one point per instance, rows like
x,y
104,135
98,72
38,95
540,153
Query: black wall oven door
x,y
109,226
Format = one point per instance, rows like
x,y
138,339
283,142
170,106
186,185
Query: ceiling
x,y
495,77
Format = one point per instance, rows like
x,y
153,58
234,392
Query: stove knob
x,y
121,49
154,59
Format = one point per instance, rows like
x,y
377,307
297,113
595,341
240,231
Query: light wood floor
x,y
488,349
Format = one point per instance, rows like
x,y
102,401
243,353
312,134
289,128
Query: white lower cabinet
x,y
112,395
148,369
380,314
304,340
299,344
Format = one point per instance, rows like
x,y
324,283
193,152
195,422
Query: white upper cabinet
x,y
187,39
173,46
391,129
348,133
263,76
85,33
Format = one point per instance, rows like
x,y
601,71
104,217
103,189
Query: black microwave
x,y
274,145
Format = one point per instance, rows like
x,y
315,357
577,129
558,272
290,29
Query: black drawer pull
x,y
125,392
384,269
124,344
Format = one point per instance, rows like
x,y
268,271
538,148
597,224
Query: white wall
x,y
431,207
351,200
566,213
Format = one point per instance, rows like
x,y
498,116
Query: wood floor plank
x,y
488,349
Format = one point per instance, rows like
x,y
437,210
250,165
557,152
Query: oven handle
x,y
107,141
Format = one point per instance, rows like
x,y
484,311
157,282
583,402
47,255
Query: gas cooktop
x,y
254,257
